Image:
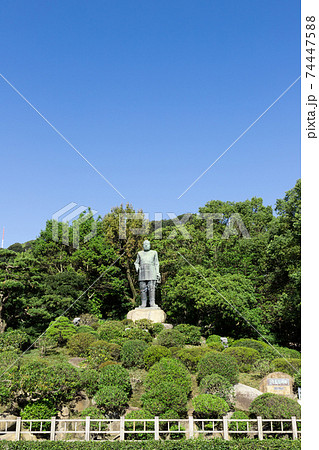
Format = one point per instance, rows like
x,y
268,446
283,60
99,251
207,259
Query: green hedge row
x,y
195,444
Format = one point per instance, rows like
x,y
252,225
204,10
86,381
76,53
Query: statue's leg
x,y
143,288
151,291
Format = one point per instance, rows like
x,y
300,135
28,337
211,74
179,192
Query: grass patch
x,y
137,377
250,379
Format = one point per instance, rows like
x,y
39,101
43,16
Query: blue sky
x,y
151,93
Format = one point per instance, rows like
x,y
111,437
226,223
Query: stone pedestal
x,y
155,314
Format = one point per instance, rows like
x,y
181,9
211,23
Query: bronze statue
x,y
147,266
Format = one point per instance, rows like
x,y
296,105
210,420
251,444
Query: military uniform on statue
x,y
147,267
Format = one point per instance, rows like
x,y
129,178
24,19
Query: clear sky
x,y
151,93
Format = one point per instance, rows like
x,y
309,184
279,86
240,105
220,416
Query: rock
x,y
25,436
244,395
168,326
81,403
11,421
155,314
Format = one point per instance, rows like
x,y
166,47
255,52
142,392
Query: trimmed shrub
x,y
244,356
167,386
111,330
207,406
100,352
171,371
165,396
112,400
153,354
171,338
290,365
192,334
191,356
40,409
13,340
224,365
60,330
265,350
213,338
132,353
79,344
86,329
286,352
60,381
273,406
116,375
89,381
138,334
217,385
217,346
297,379
139,426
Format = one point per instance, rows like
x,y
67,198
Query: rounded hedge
x,y
207,406
244,356
191,356
265,350
286,352
79,344
274,406
40,409
132,353
217,346
111,330
90,381
213,338
217,385
153,354
116,375
289,365
138,334
171,338
191,332
215,362
169,370
112,400
164,396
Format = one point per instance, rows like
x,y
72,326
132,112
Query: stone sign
x,y
278,383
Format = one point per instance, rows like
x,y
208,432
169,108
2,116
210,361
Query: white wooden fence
x,y
133,429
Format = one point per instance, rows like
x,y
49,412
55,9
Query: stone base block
x,y
155,314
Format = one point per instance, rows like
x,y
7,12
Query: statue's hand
x,y
158,278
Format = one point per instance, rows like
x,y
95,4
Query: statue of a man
x,y
147,266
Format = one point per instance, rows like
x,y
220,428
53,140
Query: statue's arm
x,y
137,263
156,262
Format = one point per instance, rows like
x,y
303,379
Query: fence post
x,y
122,429
225,428
18,429
156,428
294,427
191,426
87,428
260,428
52,430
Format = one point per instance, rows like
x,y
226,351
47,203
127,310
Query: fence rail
x,y
136,429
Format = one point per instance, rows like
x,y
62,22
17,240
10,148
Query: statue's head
x,y
146,245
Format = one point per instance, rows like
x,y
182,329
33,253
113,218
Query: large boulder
x,y
244,395
11,422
